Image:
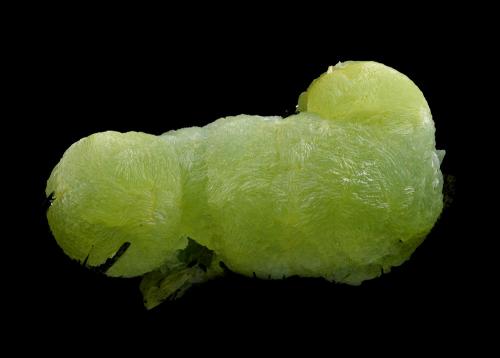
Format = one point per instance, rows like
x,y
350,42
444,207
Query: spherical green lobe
x,y
111,188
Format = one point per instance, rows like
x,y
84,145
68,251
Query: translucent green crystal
x,y
344,190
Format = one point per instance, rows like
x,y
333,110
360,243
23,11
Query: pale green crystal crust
x,y
344,190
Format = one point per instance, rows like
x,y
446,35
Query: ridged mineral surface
x,y
344,190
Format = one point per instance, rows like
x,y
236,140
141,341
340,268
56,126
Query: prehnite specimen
x,y
345,189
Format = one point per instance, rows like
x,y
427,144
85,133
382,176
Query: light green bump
x,y
366,92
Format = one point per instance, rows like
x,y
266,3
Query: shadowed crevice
x,y
195,254
49,200
110,261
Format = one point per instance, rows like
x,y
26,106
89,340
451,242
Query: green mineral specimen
x,y
345,190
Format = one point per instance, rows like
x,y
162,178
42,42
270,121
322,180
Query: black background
x,y
87,77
